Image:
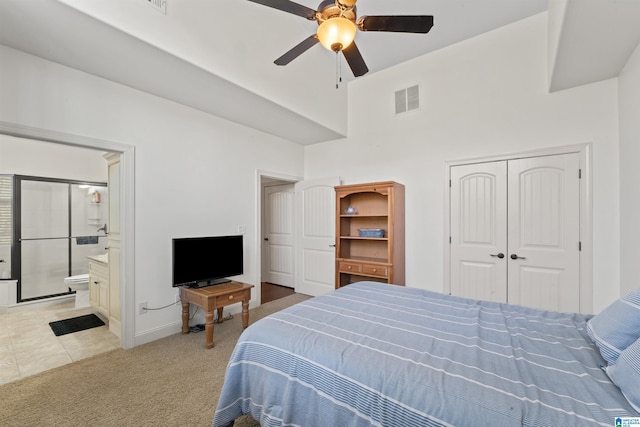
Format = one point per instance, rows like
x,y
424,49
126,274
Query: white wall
x,y
630,174
485,96
194,174
27,157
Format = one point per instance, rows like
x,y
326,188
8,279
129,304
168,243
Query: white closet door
x,y
479,231
544,232
315,236
515,231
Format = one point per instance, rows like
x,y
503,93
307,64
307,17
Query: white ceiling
x,y
595,40
454,21
217,56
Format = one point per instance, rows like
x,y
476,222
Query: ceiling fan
x,y
337,28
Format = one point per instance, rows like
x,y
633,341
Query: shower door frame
x,y
16,247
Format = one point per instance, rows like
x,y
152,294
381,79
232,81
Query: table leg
x,y
245,313
208,329
185,317
220,318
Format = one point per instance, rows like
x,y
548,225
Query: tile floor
x,y
28,345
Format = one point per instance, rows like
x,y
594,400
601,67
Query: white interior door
x,y
515,231
479,231
279,234
315,236
544,232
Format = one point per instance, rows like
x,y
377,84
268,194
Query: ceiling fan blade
x,y
289,6
355,60
297,50
399,24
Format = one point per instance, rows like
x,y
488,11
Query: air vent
x,y
408,99
159,5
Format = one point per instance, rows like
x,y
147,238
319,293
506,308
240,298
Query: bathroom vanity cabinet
x,y
99,283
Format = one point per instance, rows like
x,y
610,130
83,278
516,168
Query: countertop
x,y
103,258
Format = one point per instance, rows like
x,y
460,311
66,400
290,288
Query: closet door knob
x,y
514,256
500,255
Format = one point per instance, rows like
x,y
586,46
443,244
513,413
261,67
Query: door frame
x,y
127,199
586,212
263,179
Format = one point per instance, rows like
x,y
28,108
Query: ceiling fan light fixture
x,y
336,33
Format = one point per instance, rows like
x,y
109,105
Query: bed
x,y
372,354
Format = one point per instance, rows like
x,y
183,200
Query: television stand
x,y
215,298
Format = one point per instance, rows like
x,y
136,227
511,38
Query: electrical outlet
x,y
142,308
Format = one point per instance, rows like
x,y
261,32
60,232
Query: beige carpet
x,y
174,381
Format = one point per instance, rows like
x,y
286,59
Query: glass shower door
x,y
61,223
44,242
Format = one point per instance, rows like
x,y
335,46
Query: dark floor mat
x,y
75,324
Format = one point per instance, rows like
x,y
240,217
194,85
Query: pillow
x,y
616,327
626,374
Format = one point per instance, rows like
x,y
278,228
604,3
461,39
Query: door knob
x,y
514,256
266,239
500,255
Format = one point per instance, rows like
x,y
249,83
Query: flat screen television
x,y
205,261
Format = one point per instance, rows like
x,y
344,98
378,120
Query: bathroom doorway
x,y
126,198
56,224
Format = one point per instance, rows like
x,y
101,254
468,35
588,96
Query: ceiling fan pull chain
x,y
338,69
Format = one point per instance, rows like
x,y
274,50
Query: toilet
x,y
80,284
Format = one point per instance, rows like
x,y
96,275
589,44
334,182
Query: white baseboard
x,y
157,333
176,327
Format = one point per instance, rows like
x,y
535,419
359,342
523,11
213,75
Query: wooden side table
x,y
215,298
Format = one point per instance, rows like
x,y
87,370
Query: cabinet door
x,y
93,291
103,296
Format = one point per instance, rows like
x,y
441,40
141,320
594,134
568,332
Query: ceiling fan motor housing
x,y
332,9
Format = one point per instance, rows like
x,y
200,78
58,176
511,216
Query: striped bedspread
x,y
371,354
